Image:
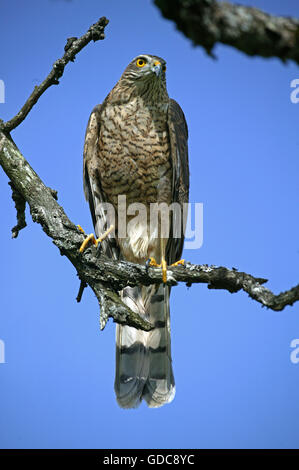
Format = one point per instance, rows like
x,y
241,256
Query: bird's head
x,y
147,73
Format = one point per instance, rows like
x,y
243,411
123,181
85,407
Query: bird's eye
x,y
164,68
140,62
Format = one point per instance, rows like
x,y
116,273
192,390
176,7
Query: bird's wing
x,y
178,134
92,183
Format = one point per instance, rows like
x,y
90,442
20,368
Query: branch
x,y
107,277
73,46
83,286
248,29
20,205
46,211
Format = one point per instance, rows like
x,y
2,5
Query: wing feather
x,y
92,183
178,134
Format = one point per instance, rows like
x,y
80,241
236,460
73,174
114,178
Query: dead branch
x,y
248,29
73,46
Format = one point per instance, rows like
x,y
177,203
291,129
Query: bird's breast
x,y
134,153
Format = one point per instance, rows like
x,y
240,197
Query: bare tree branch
x,y
248,29
105,276
73,46
46,211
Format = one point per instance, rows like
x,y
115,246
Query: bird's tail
x,y
143,359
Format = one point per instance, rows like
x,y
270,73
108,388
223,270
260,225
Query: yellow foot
x,y
91,238
177,263
163,265
153,262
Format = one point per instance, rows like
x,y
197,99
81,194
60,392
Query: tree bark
x,y
248,29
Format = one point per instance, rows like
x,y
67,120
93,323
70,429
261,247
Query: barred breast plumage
x,y
134,146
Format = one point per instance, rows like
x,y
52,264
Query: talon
x,y
105,234
177,263
86,242
163,265
153,262
91,238
81,229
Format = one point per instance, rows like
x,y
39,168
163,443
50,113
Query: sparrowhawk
x,y
136,146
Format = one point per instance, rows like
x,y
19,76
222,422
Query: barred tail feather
x,y
143,359
132,358
160,387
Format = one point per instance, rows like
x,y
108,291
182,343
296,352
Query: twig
x,y
20,205
83,286
73,46
250,30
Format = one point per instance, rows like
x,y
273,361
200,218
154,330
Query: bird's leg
x,y
163,264
91,238
88,238
163,260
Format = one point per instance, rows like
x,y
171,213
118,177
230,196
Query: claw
x,y
81,229
177,263
91,238
105,234
153,262
163,265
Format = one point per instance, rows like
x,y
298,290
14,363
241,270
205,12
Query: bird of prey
x,y
136,146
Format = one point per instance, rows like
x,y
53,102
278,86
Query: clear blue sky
x,y
236,385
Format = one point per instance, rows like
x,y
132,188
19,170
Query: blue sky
x,y
236,385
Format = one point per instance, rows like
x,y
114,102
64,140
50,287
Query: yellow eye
x,y
140,62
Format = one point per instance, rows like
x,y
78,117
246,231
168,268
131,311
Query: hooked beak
x,y
157,68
